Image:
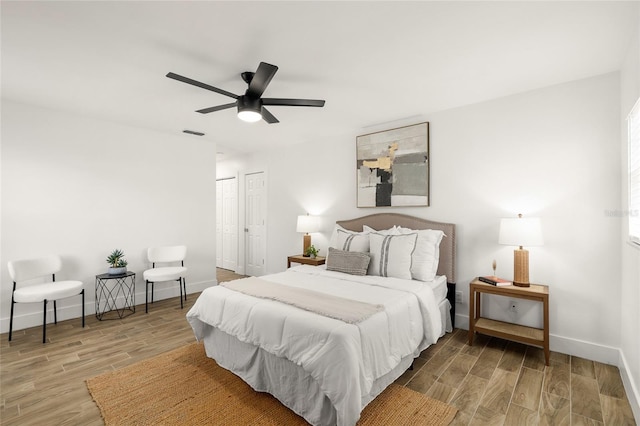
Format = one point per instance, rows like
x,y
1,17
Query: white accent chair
x,y
31,269
170,254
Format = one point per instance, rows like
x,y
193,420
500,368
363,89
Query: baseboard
x,y
462,321
630,387
588,350
71,311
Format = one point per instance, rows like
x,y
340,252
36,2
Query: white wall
x,y
630,259
552,153
80,187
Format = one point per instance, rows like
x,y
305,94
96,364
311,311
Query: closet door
x,y
219,223
229,224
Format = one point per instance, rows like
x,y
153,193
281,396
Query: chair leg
x,y
44,323
82,293
180,285
152,284
146,297
55,313
11,319
184,284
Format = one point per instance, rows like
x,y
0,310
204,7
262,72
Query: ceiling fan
x,y
251,105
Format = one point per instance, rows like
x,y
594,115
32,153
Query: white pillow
x,y
352,241
391,231
391,254
426,256
333,242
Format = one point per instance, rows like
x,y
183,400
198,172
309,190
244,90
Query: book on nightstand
x,y
495,281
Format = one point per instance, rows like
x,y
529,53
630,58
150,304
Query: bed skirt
x,y
287,381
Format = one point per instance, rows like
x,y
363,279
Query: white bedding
x,y
439,287
344,359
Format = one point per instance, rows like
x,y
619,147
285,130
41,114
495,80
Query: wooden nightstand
x,y
505,330
319,260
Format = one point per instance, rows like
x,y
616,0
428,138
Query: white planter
x,y
118,271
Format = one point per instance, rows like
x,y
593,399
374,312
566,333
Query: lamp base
x,y
521,268
306,242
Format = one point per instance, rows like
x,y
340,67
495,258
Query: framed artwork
x,y
393,167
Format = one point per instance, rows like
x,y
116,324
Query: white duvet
x,y
343,358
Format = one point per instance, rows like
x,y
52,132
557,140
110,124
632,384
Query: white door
x,y
255,224
219,221
229,224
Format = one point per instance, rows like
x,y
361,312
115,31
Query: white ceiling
x,y
373,62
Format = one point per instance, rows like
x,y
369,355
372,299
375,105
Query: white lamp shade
x,y
520,231
308,224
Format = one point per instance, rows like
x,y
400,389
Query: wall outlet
x,y
458,297
513,306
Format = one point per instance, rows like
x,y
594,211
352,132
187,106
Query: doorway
x,y
227,224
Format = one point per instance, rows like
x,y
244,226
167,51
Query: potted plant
x,y
311,251
117,262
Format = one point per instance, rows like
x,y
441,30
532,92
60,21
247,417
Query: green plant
x,y
311,251
116,259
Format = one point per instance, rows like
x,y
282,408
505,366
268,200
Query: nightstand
x,y
319,260
505,330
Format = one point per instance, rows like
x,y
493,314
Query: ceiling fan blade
x,y
268,117
217,108
202,85
293,102
261,79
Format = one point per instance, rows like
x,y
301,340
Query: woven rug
x,y
184,387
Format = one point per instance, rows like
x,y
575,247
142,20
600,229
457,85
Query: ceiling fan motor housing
x,y
247,103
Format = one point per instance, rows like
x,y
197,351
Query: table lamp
x,y
307,224
520,232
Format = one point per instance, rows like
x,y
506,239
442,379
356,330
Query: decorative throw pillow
x,y
352,241
349,262
426,256
391,255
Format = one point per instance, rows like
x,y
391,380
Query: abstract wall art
x,y
393,167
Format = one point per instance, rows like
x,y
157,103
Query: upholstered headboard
x,y
447,265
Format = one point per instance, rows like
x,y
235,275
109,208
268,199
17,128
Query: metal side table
x,y
114,290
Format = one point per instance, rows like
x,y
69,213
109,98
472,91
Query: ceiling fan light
x,y
249,116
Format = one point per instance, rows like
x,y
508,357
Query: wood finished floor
x,y
491,383
495,382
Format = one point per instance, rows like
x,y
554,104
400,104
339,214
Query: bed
x,y
324,367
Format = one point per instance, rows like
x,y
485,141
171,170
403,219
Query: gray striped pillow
x,y
391,255
349,262
352,241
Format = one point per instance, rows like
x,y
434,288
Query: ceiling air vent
x,y
193,132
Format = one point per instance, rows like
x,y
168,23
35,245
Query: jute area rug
x,y
184,387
